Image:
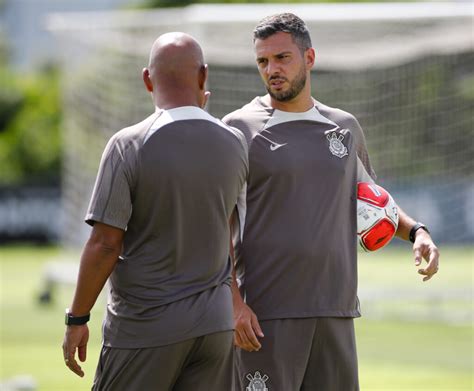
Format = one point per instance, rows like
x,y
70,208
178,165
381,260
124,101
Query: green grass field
x,y
394,354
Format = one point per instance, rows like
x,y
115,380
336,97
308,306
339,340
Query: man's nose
x,y
273,69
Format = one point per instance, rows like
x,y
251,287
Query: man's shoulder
x,y
130,136
249,117
138,128
246,112
342,118
133,132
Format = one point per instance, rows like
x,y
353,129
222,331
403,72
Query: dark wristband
x,y
415,228
71,320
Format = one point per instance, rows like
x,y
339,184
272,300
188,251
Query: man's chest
x,y
299,151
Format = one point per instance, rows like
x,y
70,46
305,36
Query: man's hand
x,y
76,337
425,248
247,328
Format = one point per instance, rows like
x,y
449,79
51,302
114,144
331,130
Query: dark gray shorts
x,y
314,354
200,364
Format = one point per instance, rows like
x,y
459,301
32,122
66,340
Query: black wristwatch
x,y
72,320
415,228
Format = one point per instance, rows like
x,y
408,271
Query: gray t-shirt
x,y
297,255
171,182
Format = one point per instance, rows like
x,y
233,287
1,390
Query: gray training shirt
x,y
171,182
298,252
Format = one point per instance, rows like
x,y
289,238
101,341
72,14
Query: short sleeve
x,y
362,174
111,198
362,152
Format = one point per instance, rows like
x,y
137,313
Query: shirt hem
x,y
313,314
91,219
154,344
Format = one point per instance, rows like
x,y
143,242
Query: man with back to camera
x,y
295,327
160,210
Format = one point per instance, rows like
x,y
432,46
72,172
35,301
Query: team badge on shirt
x,y
257,382
336,147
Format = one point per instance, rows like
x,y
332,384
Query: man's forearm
x,y
405,224
236,296
97,262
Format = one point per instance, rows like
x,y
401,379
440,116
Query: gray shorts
x,y
314,354
200,364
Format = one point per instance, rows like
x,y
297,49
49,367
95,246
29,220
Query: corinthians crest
x,y
257,382
336,146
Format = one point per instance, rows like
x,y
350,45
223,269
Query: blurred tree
x,y
29,128
182,3
167,3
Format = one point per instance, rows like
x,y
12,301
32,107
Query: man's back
x,y
160,211
171,182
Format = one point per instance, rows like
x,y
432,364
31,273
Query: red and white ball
x,y
377,216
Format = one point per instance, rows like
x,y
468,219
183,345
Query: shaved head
x,y
176,68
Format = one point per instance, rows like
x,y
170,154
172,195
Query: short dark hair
x,y
286,23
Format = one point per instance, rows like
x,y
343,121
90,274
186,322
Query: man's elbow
x,y
106,239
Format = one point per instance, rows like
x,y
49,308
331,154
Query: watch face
x,y
69,319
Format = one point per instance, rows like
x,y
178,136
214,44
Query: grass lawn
x,y
394,354
416,355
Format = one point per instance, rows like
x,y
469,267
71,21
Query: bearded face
x,y
275,86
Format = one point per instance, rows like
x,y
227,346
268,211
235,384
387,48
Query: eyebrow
x,y
275,55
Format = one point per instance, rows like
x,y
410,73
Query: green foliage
x,y
29,128
182,3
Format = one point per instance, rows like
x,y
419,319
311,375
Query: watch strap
x,y
416,227
71,320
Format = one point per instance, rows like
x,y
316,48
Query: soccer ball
x,y
377,216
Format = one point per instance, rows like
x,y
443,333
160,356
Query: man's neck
x,y
170,100
297,105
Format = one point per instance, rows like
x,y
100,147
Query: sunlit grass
x,y
394,354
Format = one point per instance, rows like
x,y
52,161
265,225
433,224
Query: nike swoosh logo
x,y
274,146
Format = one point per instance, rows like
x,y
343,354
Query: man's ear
x,y
309,56
147,80
202,77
